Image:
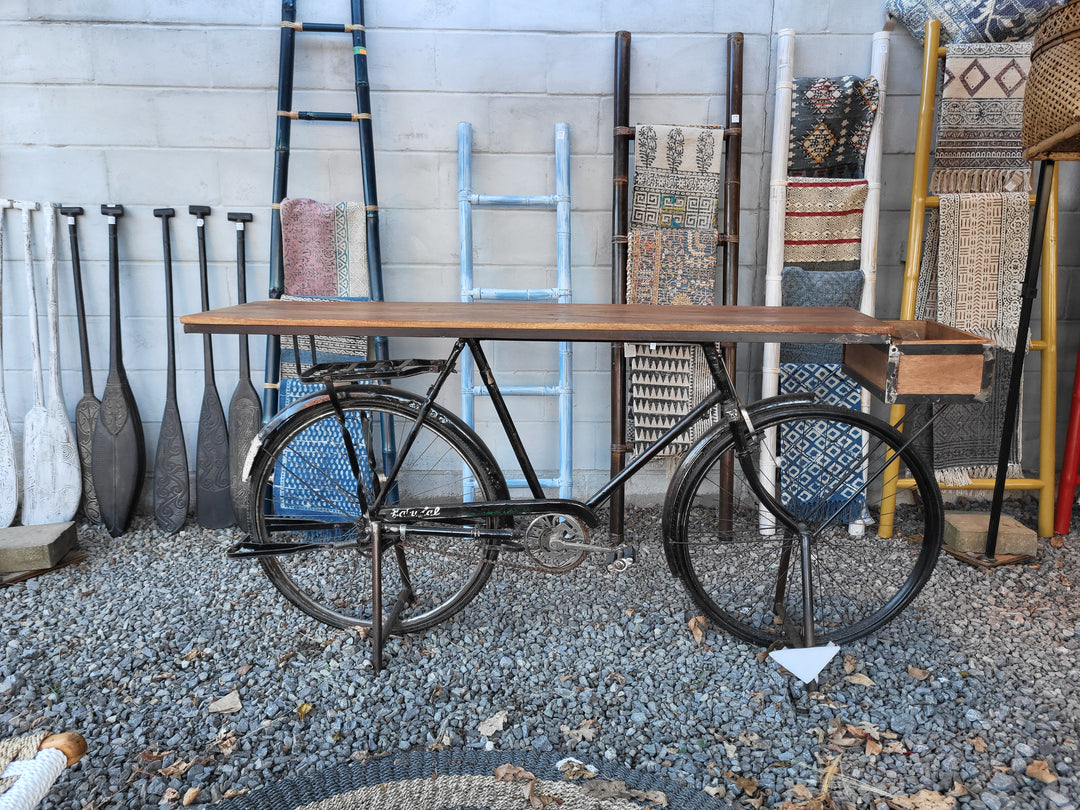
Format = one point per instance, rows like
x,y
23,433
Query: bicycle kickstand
x,y
380,630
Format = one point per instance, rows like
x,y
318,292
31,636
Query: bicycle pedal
x,y
620,559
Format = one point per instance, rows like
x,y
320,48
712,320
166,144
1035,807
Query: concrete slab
x,y
28,548
965,532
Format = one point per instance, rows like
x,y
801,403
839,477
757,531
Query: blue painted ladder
x,y
468,200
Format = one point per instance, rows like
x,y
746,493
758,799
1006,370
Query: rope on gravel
x,y
15,749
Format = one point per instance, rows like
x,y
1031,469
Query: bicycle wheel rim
x,y
749,581
308,478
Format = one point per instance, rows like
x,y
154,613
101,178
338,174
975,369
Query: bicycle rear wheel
x,y
745,572
304,490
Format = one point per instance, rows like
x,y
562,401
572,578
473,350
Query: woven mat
x,y
982,106
823,223
466,780
324,248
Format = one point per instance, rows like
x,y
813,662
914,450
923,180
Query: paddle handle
x,y
4,203
71,212
116,363
241,283
200,212
166,250
32,311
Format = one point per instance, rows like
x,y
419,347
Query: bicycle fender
x,y
718,434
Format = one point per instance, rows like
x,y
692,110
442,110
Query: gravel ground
x,y
133,645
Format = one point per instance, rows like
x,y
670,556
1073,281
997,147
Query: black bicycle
x,y
376,508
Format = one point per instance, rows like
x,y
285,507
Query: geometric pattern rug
x,y
475,780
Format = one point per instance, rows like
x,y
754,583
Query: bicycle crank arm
x,y
246,549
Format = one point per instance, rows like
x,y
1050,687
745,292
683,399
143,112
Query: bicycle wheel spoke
x,y
831,464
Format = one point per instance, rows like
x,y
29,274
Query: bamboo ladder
x,y
728,262
774,262
1043,482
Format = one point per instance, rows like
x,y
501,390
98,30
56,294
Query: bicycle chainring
x,y
544,539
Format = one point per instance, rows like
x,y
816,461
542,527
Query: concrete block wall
x,y
155,104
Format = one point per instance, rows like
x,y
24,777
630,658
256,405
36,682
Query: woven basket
x,y
1051,127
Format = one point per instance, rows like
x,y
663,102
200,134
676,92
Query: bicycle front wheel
x,y
745,570
304,490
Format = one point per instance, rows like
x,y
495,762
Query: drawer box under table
x,y
924,359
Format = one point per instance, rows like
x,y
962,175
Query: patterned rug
x,y
972,20
823,223
981,257
831,120
809,458
982,101
819,288
668,266
677,179
475,780
324,248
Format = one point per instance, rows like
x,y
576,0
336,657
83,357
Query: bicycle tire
x,y
739,578
304,496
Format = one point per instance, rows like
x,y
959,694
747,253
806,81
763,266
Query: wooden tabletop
x,y
513,320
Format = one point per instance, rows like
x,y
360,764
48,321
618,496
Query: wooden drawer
x,y
924,360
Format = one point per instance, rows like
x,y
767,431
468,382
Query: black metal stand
x,y
1028,292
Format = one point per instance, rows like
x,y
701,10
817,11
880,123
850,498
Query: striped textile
x,y
823,222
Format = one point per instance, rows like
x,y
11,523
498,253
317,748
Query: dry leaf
x,y
697,627
958,789
926,800
859,679
802,792
169,796
190,795
873,747
1057,541
192,654
601,789
747,785
617,677
436,692
537,799
894,748
849,663
918,674
177,769
1039,769
586,731
284,659
512,773
497,722
225,705
978,743
225,741
303,709
573,770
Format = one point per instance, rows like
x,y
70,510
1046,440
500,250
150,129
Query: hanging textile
x,y
823,223
972,20
982,100
669,266
677,179
831,120
981,252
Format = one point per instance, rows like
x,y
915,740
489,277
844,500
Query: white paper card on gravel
x,y
805,662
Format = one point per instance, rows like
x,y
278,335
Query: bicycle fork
x,y
742,433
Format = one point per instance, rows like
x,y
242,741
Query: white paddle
x,y
47,480
67,489
9,474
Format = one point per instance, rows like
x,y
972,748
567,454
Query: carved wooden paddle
x,y
245,407
86,410
9,474
172,489
51,477
213,501
118,459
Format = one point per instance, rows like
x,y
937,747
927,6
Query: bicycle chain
x,y
480,559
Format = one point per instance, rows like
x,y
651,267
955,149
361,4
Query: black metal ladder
x,y
285,116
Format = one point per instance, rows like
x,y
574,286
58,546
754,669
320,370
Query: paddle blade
x,y
51,477
117,458
245,418
172,487
213,501
86,414
9,475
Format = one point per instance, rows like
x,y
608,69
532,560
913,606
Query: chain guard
x,y
544,540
